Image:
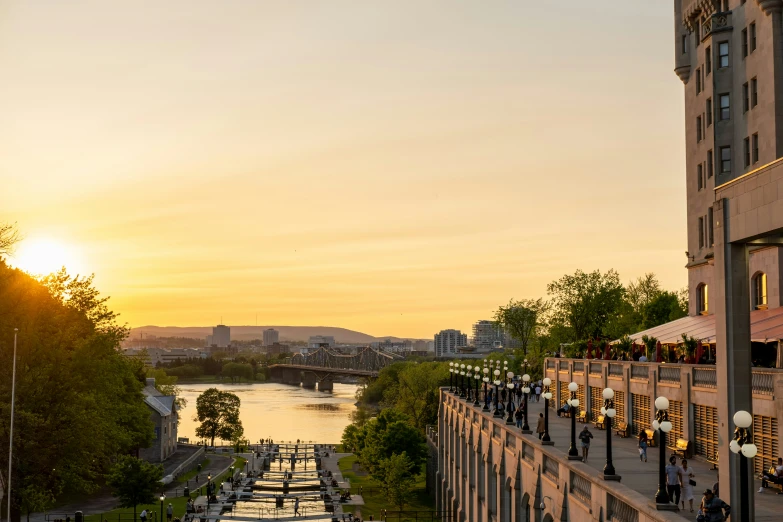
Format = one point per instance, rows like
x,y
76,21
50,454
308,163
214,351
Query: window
x,y
725,160
723,55
699,175
698,129
705,423
725,107
710,231
698,81
709,164
684,43
752,37
702,298
745,98
755,148
746,151
725,6
744,43
754,93
765,436
708,59
701,232
759,291
708,112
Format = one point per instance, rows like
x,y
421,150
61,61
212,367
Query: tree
x,y
417,394
584,303
9,237
237,370
218,413
135,481
397,480
640,292
664,307
167,385
522,319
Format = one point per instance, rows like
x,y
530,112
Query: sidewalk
x,y
641,476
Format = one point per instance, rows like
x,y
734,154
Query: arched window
x,y
759,291
702,299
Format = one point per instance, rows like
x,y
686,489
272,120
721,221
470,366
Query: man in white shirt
x,y
673,473
775,478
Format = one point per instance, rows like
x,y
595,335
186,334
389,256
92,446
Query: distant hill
x,y
246,333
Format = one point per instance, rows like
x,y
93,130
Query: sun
x,y
42,256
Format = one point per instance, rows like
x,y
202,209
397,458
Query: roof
x,y
163,404
765,326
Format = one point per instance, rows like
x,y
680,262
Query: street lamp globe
x,y
162,498
462,366
572,387
608,393
743,419
666,426
655,425
526,377
547,381
497,373
575,403
749,450
611,412
662,403
510,375
548,395
486,370
734,446
603,410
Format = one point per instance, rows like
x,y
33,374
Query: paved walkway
x,y
641,476
330,463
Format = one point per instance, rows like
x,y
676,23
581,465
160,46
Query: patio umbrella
x,y
607,351
590,349
658,355
699,351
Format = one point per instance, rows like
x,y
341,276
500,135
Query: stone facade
x,y
163,413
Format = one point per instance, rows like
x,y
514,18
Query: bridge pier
x,y
308,380
326,384
292,377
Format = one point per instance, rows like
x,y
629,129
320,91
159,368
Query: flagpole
x,y
11,438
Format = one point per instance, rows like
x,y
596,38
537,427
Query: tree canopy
x,y
218,413
522,319
135,482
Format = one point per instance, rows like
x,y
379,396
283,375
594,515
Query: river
x,y
279,411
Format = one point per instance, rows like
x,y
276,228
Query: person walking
x,y
585,437
169,512
687,481
673,480
715,510
643,445
296,507
518,416
540,429
143,515
538,392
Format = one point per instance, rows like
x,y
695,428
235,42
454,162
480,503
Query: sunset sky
x,y
392,167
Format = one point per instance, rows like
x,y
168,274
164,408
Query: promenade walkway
x,y
641,476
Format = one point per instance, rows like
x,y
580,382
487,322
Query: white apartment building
x,y
319,341
221,336
447,342
271,336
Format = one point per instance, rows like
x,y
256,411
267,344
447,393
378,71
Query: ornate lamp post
x,y
497,413
162,498
468,383
477,378
510,407
662,424
545,440
451,377
526,392
486,380
573,402
742,444
609,412
209,492
462,380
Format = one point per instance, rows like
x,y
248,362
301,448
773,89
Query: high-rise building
x,y
725,54
447,342
487,335
221,336
321,341
271,336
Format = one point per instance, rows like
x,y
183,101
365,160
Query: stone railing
x,y
550,364
716,23
616,369
618,510
432,434
669,373
581,487
528,452
551,468
763,382
705,377
595,368
563,366
640,371
579,367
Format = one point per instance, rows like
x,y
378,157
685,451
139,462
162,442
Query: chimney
x,y
151,381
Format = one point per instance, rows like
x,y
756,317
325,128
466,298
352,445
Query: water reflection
x,y
280,411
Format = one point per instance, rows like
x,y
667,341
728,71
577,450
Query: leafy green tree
x,y
664,307
235,371
640,292
387,434
135,482
218,413
417,394
397,480
584,303
522,319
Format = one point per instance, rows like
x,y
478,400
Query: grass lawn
x,y
192,473
374,499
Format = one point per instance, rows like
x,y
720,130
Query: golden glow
x,y
42,256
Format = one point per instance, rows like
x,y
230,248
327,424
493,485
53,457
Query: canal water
x,y
279,411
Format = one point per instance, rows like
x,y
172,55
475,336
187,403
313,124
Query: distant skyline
x,y
395,168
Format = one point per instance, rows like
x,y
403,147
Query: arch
x,y
702,299
548,518
523,509
758,291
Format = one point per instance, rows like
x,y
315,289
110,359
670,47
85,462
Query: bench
x,y
651,439
682,448
599,422
582,417
622,429
773,481
714,461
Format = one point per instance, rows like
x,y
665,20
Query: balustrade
x,y
763,382
550,364
640,371
551,468
705,377
595,368
616,369
669,374
579,367
618,510
581,487
563,366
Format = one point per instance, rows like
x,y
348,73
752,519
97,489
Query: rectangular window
x,y
744,43
708,59
755,148
701,232
710,234
752,37
709,164
708,112
684,43
699,175
697,33
725,160
698,129
725,107
754,93
698,81
745,98
746,150
723,55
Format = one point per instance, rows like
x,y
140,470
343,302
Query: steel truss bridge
x,y
321,365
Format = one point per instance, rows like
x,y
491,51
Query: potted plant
x,y
651,343
623,346
689,346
